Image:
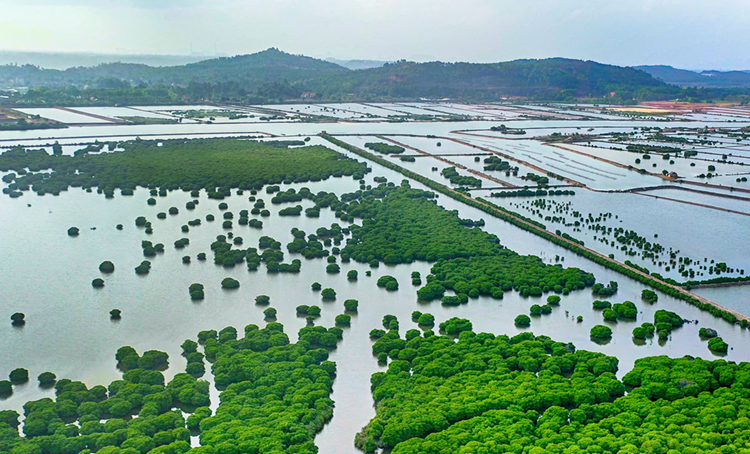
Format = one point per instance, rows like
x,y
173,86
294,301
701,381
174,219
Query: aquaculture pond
x,y
655,220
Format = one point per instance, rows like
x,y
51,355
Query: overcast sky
x,y
695,34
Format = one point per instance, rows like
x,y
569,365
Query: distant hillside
x,y
514,78
65,60
273,75
357,64
709,79
249,71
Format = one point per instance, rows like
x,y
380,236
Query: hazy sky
x,y
695,34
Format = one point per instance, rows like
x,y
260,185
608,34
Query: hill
x,y
248,71
706,79
549,77
273,75
357,64
65,60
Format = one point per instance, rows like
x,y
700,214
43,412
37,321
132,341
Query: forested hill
x,y
685,78
273,75
515,78
249,71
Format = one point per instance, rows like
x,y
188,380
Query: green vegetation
x,y
506,130
229,283
394,232
351,305
649,148
538,179
47,379
262,300
455,178
352,275
489,393
601,305
107,267
18,319
251,417
502,272
604,290
143,268
304,309
717,345
609,315
212,164
388,282
101,419
97,283
196,292
227,257
269,313
646,330
276,76
328,294
649,296
532,193
150,120
665,322
537,310
384,148
497,164
343,320
601,332
426,320
707,333
115,314
539,229
29,123
454,326
19,376
523,321
406,225
291,211
625,311
438,393
73,231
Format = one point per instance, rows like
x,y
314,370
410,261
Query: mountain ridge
x,y
706,78
274,76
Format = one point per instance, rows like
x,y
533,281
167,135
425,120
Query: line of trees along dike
x,y
540,230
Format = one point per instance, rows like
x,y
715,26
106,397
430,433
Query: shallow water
x,y
47,275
